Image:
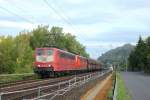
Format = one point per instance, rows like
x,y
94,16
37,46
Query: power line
x,y
16,15
68,18
65,19
51,7
14,4
62,17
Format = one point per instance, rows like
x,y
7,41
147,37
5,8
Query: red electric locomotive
x,y
51,61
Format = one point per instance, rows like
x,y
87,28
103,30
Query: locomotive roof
x,y
55,49
67,52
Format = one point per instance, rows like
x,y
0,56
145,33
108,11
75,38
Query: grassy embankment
x,y
122,92
12,77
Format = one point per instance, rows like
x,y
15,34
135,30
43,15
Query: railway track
x,y
30,90
18,83
31,78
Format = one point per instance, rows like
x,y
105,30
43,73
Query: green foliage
x,y
39,37
7,61
76,48
56,37
139,59
24,53
117,56
17,53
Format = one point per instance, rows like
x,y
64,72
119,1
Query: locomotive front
x,y
44,58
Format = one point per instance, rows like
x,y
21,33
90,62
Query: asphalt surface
x,y
138,85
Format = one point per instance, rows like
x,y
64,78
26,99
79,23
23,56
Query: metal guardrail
x,y
115,89
59,88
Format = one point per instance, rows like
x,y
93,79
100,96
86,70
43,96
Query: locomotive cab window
x,y
49,52
39,52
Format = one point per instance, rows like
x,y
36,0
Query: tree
x,y
138,59
7,61
39,37
132,61
57,37
147,55
42,37
24,53
140,54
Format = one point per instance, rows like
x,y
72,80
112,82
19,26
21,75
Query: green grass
x,y
122,93
12,78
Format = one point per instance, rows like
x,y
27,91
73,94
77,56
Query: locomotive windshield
x,y
49,52
44,55
39,52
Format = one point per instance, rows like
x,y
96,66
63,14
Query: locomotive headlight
x,y
49,65
38,65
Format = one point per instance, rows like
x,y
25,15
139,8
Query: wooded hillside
x,y
117,56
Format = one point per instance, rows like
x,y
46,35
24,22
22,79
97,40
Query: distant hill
x,y
118,55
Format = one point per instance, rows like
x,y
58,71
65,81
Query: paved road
x,y
138,85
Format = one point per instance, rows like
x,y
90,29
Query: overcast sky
x,y
98,24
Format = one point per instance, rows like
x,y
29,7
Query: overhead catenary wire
x,y
65,19
83,37
19,16
68,18
19,8
62,16
57,12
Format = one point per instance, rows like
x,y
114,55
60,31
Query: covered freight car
x,y
93,65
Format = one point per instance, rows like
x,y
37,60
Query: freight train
x,y
50,61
